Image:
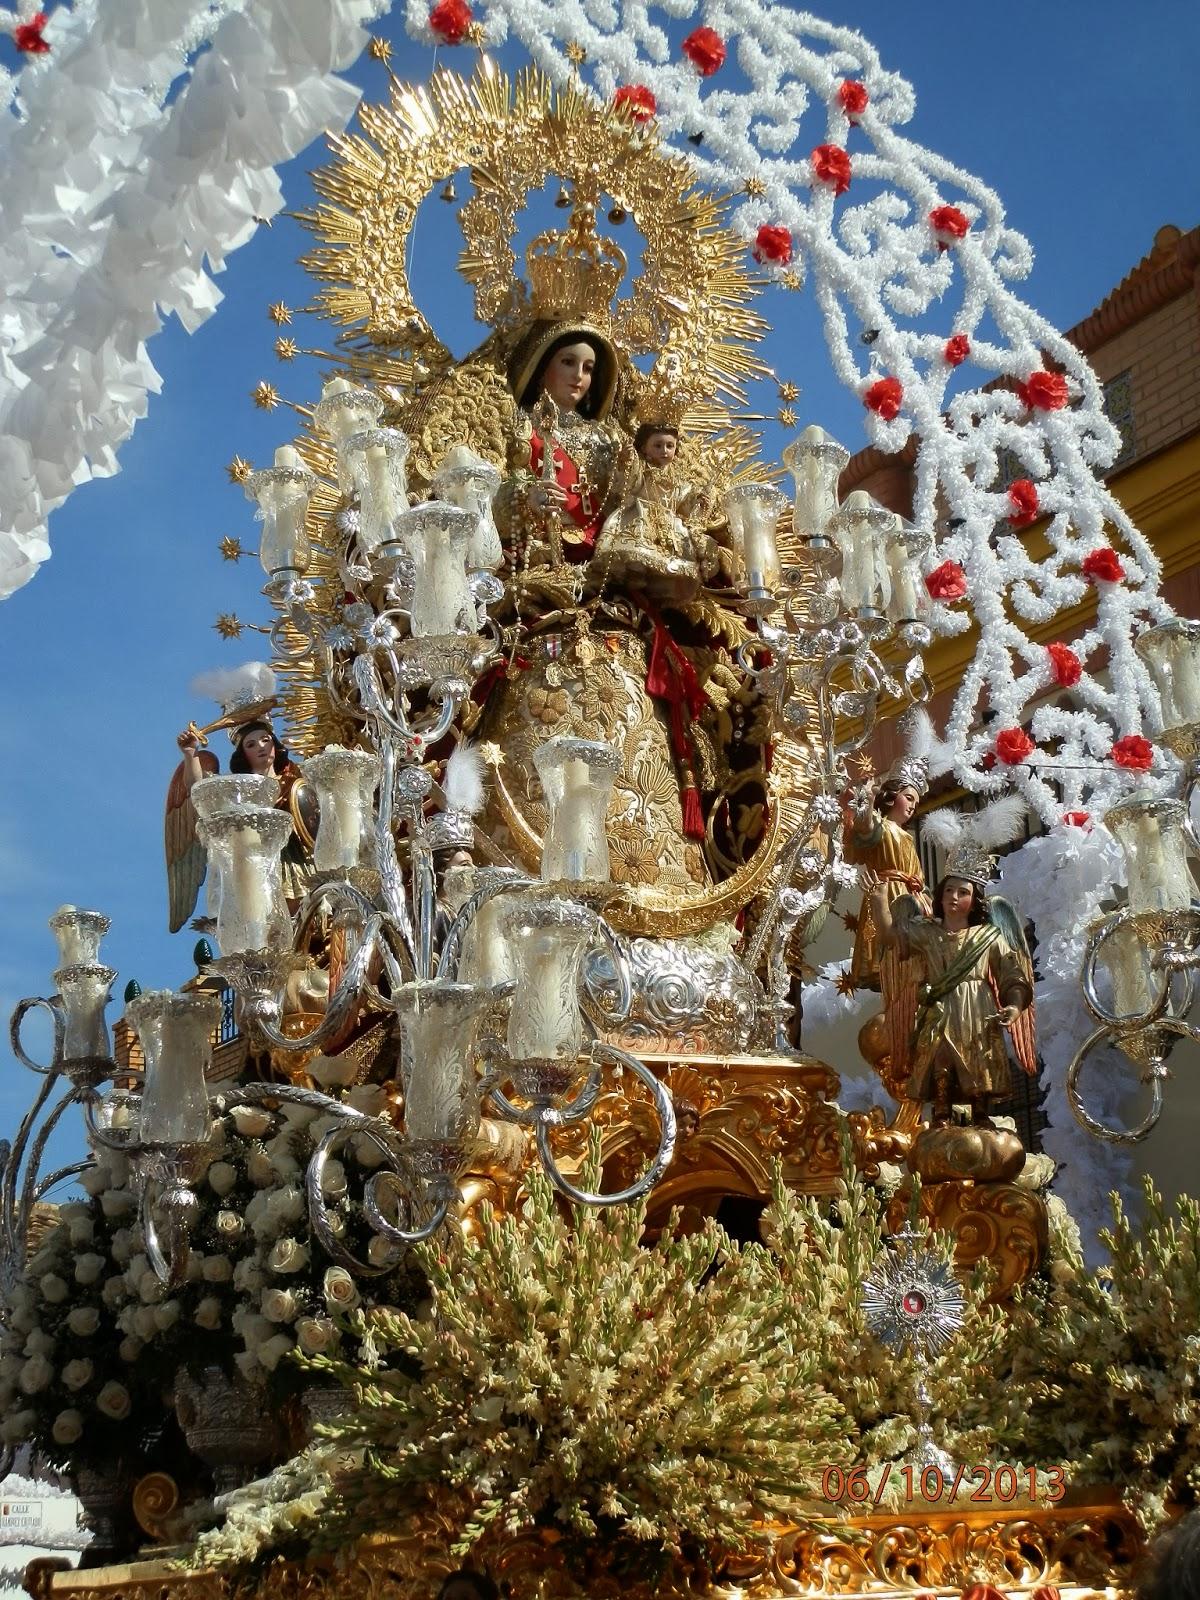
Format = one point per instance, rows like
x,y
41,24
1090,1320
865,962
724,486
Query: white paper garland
x,y
113,199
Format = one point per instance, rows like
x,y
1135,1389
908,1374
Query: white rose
x,y
252,1121
76,1373
113,1401
138,1265
167,1315
366,1153
23,1320
369,1098
84,1320
116,1203
121,1246
16,1427
130,1349
144,1324
208,1313
88,1268
284,1166
80,1230
316,1335
73,1211
39,1343
94,1181
252,1328
54,1289
332,1072
382,1252
217,1269
287,1255
68,1426
222,1177
127,1319
229,1225
336,1223
117,1167
259,1169
114,1291
340,1290
35,1375
279,1305
247,1364
151,1288
285,1204
248,1275
333,1180
22,1298
10,1366
273,1350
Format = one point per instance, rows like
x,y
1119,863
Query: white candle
x,y
344,420
905,604
249,891
291,543
544,1017
487,956
574,812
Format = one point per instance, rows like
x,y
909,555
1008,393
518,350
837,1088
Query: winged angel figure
x,y
964,973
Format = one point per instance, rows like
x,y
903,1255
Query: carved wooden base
x,y
735,1116
999,1221
1085,1549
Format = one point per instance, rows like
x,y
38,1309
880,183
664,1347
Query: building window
x,y
1118,408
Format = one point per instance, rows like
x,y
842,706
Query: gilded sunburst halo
x,y
912,1299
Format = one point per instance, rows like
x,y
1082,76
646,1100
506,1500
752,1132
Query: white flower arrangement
x,y
90,1337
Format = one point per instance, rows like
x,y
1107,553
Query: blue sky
x,y
1081,116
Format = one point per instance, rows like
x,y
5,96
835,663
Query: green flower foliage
x,y
567,1374
1108,1368
824,1254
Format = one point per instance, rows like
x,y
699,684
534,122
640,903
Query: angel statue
x,y
969,977
877,837
246,696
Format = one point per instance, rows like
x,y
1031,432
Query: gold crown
x,y
663,399
574,273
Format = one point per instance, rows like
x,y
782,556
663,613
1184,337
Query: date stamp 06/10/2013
x,y
933,1485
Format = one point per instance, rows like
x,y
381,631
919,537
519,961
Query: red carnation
x,y
949,223
1044,391
1103,565
705,49
450,20
1133,752
947,582
1073,819
1023,498
957,349
831,165
884,398
1013,745
637,100
28,37
1064,664
773,244
853,97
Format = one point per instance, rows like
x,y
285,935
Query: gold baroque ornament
x,y
1087,1549
689,304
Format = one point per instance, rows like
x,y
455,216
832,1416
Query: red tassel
x,y
693,815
